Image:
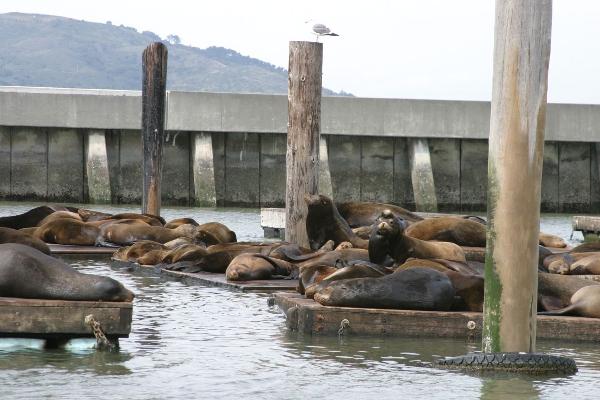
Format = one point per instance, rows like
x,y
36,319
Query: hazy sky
x,y
431,49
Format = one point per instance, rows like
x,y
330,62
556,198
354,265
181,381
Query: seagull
x,y
321,30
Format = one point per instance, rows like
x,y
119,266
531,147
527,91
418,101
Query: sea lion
x,y
186,252
359,214
389,240
180,221
463,232
467,282
28,273
127,232
555,291
413,289
585,302
31,217
561,263
152,220
9,235
586,247
137,250
215,232
68,231
91,215
324,222
58,215
247,267
549,240
348,270
589,265
313,274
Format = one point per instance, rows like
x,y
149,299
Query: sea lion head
x,y
108,289
559,266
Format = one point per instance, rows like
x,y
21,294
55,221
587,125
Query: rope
x,y
102,342
344,324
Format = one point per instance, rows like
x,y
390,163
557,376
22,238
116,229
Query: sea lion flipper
x,y
562,311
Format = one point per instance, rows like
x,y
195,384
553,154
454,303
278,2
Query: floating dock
x,y
308,316
62,320
63,249
215,279
586,224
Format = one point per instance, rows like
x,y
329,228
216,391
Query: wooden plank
x,y
71,249
49,318
307,316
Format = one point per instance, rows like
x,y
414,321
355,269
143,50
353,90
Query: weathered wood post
x,y
154,66
304,117
516,145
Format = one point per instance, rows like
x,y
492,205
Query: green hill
x,y
44,50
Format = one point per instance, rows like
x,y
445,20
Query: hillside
x,y
43,50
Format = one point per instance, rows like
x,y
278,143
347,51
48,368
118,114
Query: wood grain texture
x,y
304,119
154,93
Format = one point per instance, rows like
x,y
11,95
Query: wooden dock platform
x,y
216,280
586,224
308,316
60,249
61,319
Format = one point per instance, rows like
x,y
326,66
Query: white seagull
x,y
322,30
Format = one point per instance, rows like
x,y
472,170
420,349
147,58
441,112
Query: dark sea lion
x,y
585,302
324,222
28,273
30,218
413,289
389,239
180,221
9,235
247,267
463,232
58,215
348,270
359,214
467,282
68,231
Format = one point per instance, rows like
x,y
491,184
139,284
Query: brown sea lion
x,y
363,232
152,220
585,302
555,291
359,214
463,232
137,250
130,231
91,215
58,215
313,274
412,289
180,221
31,217
68,231
180,241
587,247
9,235
215,232
187,252
561,263
549,240
28,273
589,265
389,240
324,222
247,267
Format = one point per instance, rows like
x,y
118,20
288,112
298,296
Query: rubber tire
x,y
532,363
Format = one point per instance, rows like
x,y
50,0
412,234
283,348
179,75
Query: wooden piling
x,y
518,115
154,66
304,117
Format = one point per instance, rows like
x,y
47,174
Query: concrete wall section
x,y
29,164
129,183
377,169
445,162
345,166
242,162
549,191
272,170
175,183
403,190
473,175
65,165
5,179
574,177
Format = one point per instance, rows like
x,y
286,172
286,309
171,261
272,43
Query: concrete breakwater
x,y
229,150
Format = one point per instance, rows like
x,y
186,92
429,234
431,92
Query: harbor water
x,y
193,342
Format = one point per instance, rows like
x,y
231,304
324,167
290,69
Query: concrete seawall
x,y
229,149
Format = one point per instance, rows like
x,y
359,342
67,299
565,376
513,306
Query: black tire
x,y
531,363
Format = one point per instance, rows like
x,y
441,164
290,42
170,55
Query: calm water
x,y
191,341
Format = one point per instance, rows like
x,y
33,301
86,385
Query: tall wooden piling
x,y
154,66
518,115
304,117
